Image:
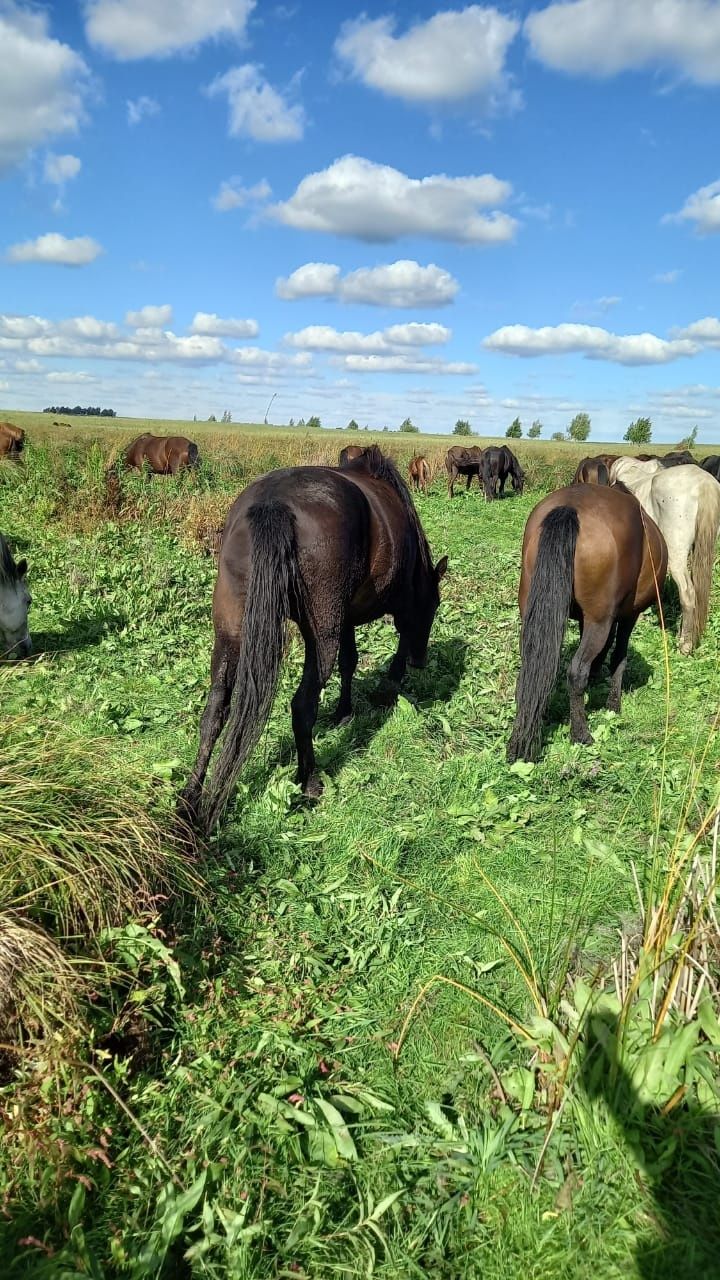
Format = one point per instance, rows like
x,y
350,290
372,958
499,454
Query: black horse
x,y
712,464
499,463
329,549
461,460
676,458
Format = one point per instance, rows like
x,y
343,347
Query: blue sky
x,y
475,212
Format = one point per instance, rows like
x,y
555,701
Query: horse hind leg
x,y
618,662
347,662
591,645
224,666
686,592
320,654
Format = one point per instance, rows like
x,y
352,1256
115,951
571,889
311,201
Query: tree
x,y
352,425
514,431
579,428
462,428
558,435
639,431
227,416
291,423
314,423
535,429
689,441
212,418
407,425
194,417
301,423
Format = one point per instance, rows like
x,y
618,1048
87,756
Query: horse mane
x,y
376,464
8,568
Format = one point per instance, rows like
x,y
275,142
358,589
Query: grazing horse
x,y
594,470
499,463
462,461
12,440
593,555
684,502
350,453
15,600
419,473
711,464
329,549
678,458
165,455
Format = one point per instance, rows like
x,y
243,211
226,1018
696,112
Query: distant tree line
x,y
92,411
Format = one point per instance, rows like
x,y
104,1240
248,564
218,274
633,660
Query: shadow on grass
x,y
79,633
678,1158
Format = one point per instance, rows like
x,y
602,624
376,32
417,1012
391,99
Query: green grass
x,y
272,1128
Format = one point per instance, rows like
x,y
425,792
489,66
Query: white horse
x,y
15,600
684,502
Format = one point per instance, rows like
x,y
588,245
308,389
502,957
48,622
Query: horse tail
x,y
543,627
702,556
193,455
273,585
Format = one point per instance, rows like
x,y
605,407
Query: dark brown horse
x,y
12,440
712,464
165,455
419,473
498,463
349,454
676,458
594,555
330,549
594,470
462,461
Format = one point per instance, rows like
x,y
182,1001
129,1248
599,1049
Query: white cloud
x,y
702,208
150,317
588,340
61,169
88,327
256,109
667,277
604,37
705,331
397,284
129,29
67,376
53,247
27,366
43,83
233,195
207,323
255,358
598,306
321,337
454,55
355,197
140,108
402,363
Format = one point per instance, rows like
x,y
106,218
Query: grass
x,y
270,1125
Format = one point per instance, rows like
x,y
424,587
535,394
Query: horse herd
x,y
332,548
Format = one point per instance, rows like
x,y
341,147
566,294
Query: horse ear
x,y
441,568
21,568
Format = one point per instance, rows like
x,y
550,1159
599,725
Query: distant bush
x,y
408,425
462,428
314,423
558,435
92,411
352,425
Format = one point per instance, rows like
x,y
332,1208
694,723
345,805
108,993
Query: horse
x,y
349,454
684,501
12,440
594,470
711,464
499,463
419,473
329,549
15,601
590,554
463,461
676,458
165,455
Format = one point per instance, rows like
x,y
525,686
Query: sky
x,y
376,212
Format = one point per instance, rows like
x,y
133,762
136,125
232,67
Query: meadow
x,y
454,1020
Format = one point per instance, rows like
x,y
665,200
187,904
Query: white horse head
x,y
15,601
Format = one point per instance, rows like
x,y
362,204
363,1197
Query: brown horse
x,y
12,440
330,549
419,473
15,600
462,461
350,453
594,470
594,555
165,455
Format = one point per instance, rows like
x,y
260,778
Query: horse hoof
x,y
341,718
313,788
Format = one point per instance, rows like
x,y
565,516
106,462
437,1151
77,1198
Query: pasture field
x,y
374,1035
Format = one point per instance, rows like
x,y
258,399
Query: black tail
x,y
193,455
272,587
543,628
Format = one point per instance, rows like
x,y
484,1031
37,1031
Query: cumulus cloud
x,y
320,337
402,363
256,109
58,170
398,284
374,202
150,317
453,55
129,29
55,248
233,195
589,340
705,331
254,358
43,83
140,108
702,208
604,37
207,323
